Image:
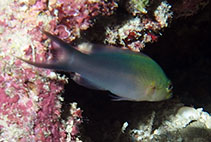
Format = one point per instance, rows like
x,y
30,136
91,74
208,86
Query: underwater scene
x,y
105,71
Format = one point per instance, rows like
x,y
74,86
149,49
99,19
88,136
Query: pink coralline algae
x,y
75,15
30,98
69,17
30,104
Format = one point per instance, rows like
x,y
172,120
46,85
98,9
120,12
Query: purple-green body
x,y
131,76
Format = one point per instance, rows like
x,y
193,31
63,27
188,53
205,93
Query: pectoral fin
x,y
84,82
119,98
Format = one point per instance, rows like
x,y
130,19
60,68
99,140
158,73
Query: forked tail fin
x,y
61,63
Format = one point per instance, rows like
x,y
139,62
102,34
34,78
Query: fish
x,y
128,75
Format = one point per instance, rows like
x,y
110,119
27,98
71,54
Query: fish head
x,y
158,92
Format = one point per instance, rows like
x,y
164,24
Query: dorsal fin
x,y
66,46
91,48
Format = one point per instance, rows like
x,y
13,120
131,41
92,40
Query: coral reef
x,y
74,16
30,104
135,32
137,6
180,123
31,98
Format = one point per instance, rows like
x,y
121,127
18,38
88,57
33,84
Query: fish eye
x,y
170,87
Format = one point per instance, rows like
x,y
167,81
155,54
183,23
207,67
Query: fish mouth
x,y
169,95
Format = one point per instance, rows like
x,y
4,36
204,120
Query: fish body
x,y
131,76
